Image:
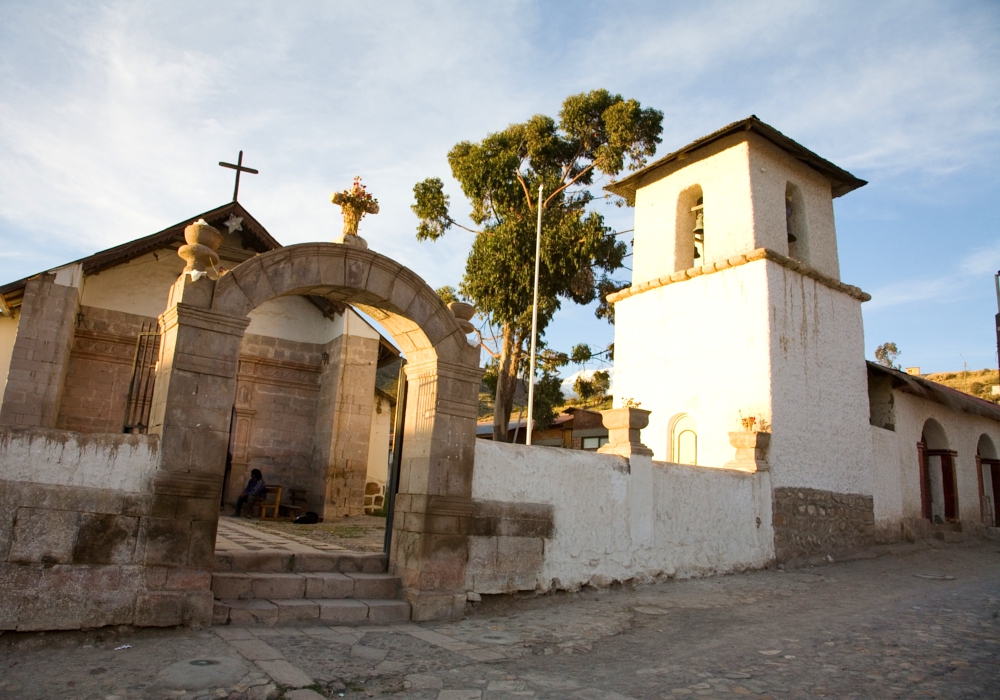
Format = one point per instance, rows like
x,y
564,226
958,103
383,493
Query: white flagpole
x,y
534,321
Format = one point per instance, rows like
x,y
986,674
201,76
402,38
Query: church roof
x,y
841,181
255,237
938,393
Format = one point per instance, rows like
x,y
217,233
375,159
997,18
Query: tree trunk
x,y
510,353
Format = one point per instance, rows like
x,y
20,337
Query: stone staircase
x,y
283,588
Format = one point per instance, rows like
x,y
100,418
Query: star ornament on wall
x,y
234,223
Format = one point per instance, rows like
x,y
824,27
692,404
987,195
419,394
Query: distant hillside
x,y
976,382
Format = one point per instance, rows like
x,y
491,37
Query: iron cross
x,y
239,169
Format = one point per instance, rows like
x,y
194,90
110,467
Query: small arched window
x,y
684,440
795,224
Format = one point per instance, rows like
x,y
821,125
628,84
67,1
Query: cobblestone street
x,y
923,621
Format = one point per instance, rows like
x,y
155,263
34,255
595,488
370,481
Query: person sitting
x,y
255,492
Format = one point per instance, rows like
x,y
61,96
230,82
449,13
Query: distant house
x,y
575,429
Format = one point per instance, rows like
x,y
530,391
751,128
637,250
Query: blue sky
x,y
113,117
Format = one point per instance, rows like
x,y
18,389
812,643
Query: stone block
x,y
385,612
435,605
79,580
159,609
201,552
261,561
105,539
275,585
220,613
372,562
344,611
375,585
223,562
186,579
255,650
232,585
328,585
252,612
165,541
44,536
296,610
285,674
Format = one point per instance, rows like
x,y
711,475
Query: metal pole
x,y
397,456
534,322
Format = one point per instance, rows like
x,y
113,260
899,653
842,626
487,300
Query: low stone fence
x,y
577,518
79,547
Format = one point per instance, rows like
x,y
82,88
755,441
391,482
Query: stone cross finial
x,y
199,253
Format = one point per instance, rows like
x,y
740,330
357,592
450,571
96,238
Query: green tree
x,y
598,135
886,355
447,294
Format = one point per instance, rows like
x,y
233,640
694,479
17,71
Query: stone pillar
x,y
433,514
191,412
343,424
45,333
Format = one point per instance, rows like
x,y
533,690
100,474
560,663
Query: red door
x,y
995,474
949,487
925,481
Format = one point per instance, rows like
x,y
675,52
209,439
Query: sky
x,y
114,115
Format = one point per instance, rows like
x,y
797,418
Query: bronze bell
x,y
699,222
696,253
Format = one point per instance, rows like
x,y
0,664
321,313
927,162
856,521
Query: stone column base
x,y
435,605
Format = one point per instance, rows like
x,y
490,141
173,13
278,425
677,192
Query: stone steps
x,y
296,562
279,588
305,611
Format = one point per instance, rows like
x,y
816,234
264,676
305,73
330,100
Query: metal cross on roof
x,y
239,169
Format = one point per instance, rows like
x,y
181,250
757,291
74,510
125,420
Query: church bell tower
x,y
736,311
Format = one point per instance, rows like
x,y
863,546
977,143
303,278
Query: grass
x,y
977,383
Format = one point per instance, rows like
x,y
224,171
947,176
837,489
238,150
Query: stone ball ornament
x,y
202,241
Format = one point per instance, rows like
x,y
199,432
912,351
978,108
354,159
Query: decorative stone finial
x,y
463,314
202,242
623,426
354,204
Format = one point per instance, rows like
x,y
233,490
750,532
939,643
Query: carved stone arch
x,y
196,388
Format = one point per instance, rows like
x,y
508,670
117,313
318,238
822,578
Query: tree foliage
x,y
886,355
597,135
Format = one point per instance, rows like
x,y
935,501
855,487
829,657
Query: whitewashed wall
x,y
899,479
613,524
699,347
819,386
59,457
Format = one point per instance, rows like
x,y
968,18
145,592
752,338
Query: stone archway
x,y
196,384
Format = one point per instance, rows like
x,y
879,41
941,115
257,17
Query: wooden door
x,y
925,481
950,487
995,474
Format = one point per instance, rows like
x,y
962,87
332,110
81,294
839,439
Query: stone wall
x,y
95,549
810,522
507,545
100,370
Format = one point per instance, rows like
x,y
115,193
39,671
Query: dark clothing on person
x,y
255,492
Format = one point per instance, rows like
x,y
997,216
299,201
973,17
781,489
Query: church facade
x,y
306,378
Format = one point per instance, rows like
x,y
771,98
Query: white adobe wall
x,y
819,413
902,477
612,525
120,462
378,442
722,171
8,334
139,286
700,347
887,496
771,170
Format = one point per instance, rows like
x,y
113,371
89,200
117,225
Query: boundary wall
x,y
614,519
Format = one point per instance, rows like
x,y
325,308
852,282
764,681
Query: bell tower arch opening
x,y
689,229
796,224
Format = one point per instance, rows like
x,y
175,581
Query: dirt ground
x,y
921,621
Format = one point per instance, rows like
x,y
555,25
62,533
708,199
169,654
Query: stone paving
x,y
362,534
921,621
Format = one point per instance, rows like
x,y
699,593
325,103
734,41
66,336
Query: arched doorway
x,y
988,475
938,484
196,386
